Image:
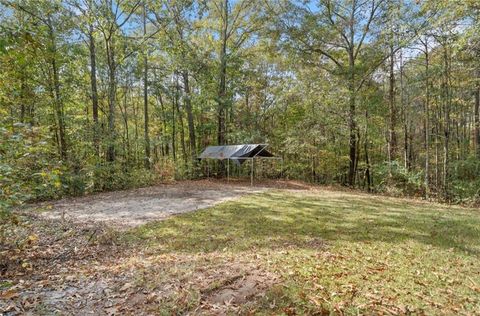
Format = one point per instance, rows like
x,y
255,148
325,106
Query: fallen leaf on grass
x,y
9,294
125,287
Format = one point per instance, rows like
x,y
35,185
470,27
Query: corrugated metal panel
x,y
219,152
235,151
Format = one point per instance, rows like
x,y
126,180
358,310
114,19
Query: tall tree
x,y
237,22
477,114
114,15
145,93
337,31
85,22
52,17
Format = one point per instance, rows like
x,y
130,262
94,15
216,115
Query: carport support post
x,y
251,172
282,174
228,170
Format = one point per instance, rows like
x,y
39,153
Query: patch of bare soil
x,y
123,209
69,260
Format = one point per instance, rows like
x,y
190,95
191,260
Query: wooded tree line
x,y
104,94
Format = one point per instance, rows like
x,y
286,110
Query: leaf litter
x,y
66,267
71,268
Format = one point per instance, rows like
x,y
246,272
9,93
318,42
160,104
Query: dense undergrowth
x,y
30,170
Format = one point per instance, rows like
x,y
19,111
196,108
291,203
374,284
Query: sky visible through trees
x,y
378,95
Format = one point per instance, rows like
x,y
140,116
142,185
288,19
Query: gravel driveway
x,y
135,207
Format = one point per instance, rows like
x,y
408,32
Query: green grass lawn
x,y
333,252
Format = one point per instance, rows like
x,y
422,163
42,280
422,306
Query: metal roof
x,y
235,152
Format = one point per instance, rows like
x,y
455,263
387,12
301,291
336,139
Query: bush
x,y
114,176
393,178
28,169
465,181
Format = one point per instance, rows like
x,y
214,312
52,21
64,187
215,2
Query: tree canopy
x,y
380,95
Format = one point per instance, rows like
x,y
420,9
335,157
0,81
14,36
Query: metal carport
x,y
238,154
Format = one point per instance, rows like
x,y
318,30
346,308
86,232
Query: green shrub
x,y
28,169
465,180
393,178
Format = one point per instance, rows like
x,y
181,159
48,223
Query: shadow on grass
x,y
277,219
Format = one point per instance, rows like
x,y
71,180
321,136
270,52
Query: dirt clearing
x,y
124,209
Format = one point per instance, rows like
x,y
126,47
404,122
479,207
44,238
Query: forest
x,y
373,107
378,95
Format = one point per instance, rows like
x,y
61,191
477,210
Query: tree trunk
x,y
477,116
188,107
182,131
93,83
174,108
136,110
126,142
406,128
427,126
352,124
392,135
164,125
446,113
367,161
58,102
223,74
437,150
23,97
111,99
145,94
